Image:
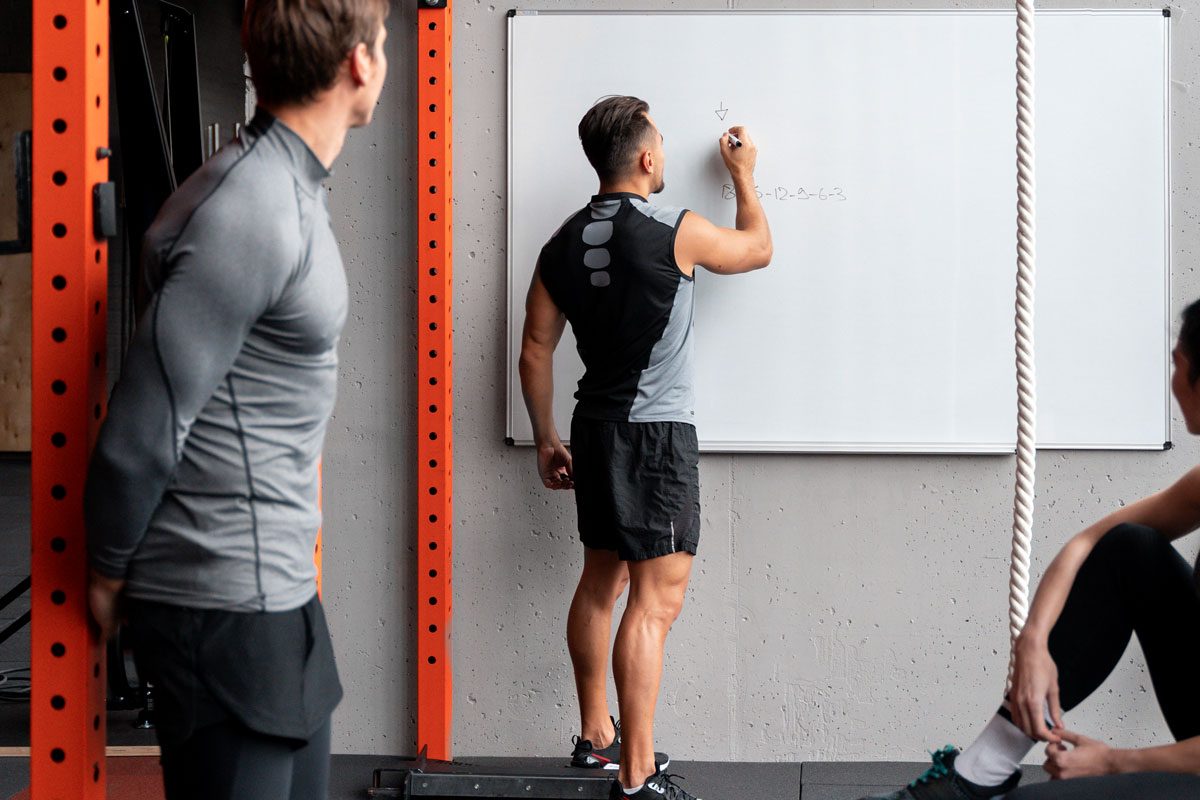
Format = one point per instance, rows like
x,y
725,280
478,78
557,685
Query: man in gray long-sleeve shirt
x,y
201,503
213,434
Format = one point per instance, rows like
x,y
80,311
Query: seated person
x,y
1119,577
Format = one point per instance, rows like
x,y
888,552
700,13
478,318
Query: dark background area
x,y
16,44
219,56
218,34
14,555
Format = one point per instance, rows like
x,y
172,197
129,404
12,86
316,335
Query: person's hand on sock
x,y
1085,756
1034,691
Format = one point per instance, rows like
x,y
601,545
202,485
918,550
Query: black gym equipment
x,y
421,778
157,144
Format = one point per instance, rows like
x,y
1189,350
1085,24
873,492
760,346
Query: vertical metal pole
x,y
70,125
435,437
318,550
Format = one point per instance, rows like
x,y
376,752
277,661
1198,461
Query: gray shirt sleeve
x,y
219,276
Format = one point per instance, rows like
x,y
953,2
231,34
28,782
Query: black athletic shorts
x,y
637,486
273,673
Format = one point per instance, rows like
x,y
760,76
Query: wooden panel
x,y
15,288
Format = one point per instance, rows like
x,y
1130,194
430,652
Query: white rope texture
x,y
1018,582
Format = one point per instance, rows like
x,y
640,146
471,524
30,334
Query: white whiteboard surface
x,y
887,163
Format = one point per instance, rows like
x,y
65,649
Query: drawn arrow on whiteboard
x,y
722,111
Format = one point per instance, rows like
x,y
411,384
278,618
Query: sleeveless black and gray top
x,y
611,270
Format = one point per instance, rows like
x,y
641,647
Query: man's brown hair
x,y
613,132
296,47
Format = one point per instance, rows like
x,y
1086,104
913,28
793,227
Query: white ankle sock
x,y
633,791
995,754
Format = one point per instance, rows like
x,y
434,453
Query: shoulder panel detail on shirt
x,y
604,209
667,215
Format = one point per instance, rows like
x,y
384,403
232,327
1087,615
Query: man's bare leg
x,y
589,631
656,591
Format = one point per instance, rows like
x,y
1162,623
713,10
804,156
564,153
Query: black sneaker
x,y
659,786
942,782
587,756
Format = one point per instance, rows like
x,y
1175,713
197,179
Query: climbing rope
x,y
1018,582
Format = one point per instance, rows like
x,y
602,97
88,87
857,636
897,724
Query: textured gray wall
x,y
842,607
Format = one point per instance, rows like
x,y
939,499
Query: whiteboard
x,y
887,171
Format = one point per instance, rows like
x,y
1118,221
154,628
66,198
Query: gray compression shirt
x,y
202,489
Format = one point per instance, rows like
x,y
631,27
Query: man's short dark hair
x,y
613,132
296,47
1189,339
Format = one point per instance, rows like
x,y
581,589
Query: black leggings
x,y
228,761
1133,581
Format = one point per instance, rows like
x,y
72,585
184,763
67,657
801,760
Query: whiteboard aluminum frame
x,y
1168,187
709,446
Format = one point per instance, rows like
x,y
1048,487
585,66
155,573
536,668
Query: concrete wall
x,y
842,607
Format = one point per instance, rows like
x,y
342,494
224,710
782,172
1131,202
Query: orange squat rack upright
x,y
70,130
434,368
70,123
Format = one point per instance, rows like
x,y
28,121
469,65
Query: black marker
x,y
734,141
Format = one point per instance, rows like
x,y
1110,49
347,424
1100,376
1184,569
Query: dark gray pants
x,y
228,761
243,700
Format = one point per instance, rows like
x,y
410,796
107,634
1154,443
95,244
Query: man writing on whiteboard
x,y
621,271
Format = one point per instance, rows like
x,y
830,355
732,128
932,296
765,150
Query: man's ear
x,y
361,64
647,162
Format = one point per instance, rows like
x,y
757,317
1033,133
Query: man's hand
x,y
554,466
1085,758
104,597
1034,688
739,161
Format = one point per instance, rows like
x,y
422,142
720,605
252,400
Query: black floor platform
x,y
553,779
711,780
